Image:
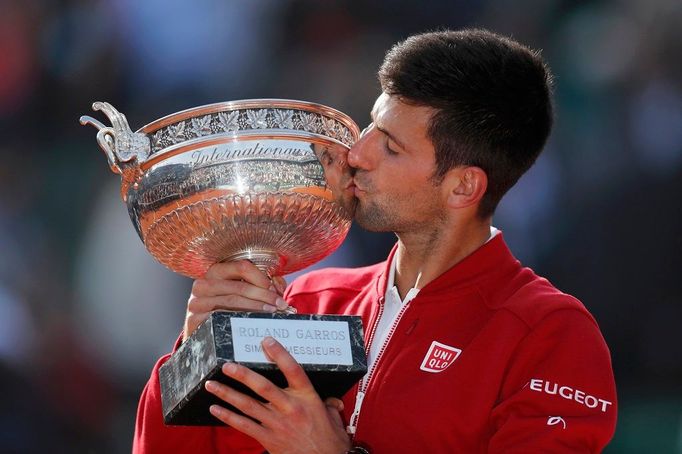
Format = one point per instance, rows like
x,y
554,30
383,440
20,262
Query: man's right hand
x,y
237,286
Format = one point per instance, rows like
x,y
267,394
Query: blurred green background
x,y
85,312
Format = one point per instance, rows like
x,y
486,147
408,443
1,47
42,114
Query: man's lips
x,y
353,186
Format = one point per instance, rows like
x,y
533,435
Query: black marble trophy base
x,y
184,398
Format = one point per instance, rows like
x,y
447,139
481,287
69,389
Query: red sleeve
x,y
559,394
152,436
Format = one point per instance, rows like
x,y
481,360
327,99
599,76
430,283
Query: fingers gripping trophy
x,y
263,180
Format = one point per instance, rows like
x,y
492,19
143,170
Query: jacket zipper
x,y
364,383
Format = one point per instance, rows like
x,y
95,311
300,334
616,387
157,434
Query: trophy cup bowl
x,y
264,180
261,180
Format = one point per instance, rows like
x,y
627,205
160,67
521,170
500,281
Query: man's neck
x,y
423,256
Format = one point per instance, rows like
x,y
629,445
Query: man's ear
x,y
466,186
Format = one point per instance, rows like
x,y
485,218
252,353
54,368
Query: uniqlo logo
x,y
439,357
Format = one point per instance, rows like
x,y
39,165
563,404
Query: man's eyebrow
x,y
390,136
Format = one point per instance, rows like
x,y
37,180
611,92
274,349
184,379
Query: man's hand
x,y
237,286
294,420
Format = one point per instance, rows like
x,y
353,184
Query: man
x,y
468,351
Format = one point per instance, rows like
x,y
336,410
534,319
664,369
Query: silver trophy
x,y
264,180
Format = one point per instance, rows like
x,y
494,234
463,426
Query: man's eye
x,y
388,148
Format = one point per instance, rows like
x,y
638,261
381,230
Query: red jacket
x,y
488,357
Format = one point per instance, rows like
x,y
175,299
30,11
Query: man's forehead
x,y
394,103
379,104
387,107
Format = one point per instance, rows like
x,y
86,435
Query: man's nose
x,y
354,155
358,157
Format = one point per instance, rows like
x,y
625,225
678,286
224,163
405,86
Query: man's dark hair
x,y
492,97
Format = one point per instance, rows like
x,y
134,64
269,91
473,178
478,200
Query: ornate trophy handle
x,y
125,149
105,139
120,144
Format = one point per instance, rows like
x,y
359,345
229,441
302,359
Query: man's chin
x,y
350,206
370,221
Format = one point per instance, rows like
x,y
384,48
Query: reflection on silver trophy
x,y
263,180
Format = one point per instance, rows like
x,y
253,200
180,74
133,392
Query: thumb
x,y
334,403
280,284
334,408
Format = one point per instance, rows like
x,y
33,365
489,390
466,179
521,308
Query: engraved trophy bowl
x,y
264,180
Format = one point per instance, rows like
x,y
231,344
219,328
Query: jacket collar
x,y
491,259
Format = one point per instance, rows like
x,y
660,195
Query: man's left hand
x,y
292,420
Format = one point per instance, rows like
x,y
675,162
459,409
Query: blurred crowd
x,y
85,311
